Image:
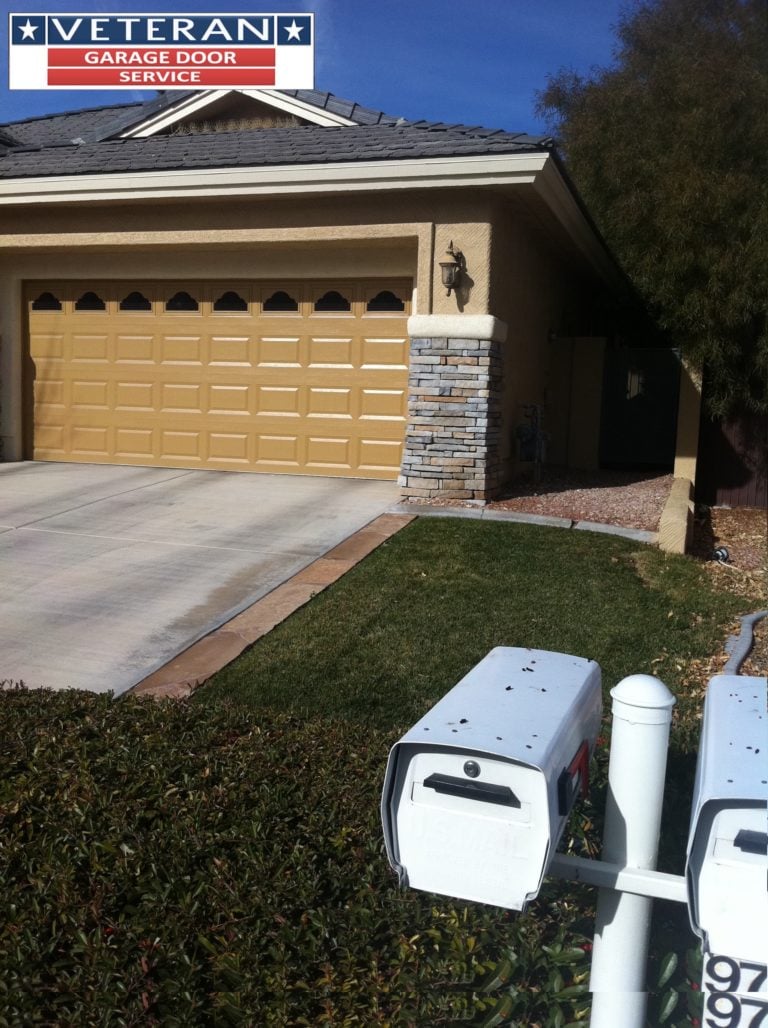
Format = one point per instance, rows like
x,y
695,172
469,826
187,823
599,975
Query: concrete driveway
x,y
108,572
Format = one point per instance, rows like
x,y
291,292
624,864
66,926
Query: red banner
x,y
153,57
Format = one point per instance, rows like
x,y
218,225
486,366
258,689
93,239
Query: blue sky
x,y
475,62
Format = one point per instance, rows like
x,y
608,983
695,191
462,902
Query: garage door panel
x,y
279,352
46,347
282,401
135,349
329,452
230,447
230,351
330,352
229,399
186,445
49,440
245,388
50,392
134,396
181,350
329,403
383,404
278,450
176,396
380,455
90,440
93,394
89,349
385,353
135,442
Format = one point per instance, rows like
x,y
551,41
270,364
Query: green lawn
x,y
406,624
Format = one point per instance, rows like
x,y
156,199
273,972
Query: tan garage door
x,y
296,377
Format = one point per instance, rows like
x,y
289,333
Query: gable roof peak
x,y
313,106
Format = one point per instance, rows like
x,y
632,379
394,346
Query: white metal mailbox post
x,y
478,792
728,842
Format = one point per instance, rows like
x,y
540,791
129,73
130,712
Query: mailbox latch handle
x,y
469,789
749,841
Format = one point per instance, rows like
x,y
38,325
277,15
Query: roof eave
x,y
277,179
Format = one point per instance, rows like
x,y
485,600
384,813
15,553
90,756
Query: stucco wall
x,y
688,417
431,219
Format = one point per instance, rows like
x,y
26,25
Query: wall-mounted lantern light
x,y
451,267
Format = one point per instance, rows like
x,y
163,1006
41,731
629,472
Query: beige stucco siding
x,y
421,216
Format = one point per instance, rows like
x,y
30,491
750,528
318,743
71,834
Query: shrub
x,y
189,865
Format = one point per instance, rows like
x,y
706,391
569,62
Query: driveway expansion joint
x,y
194,666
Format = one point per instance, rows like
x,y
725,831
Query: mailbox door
x,y
482,838
732,901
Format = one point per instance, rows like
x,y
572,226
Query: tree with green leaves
x,y
669,148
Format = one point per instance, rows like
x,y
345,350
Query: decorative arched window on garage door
x,y
230,301
280,301
135,301
90,301
332,301
384,301
46,302
182,301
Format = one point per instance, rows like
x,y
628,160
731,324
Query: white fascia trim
x,y
287,104
494,170
457,326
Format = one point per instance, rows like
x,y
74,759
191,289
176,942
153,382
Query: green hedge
x,y
181,865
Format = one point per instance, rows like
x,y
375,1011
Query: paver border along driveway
x,y
109,572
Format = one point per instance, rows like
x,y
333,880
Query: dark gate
x,y
732,466
639,412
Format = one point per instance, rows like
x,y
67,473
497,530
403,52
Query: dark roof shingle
x,y
83,143
259,148
55,129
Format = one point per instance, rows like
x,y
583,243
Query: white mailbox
x,y
728,841
478,792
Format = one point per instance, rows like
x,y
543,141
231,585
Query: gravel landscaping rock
x,y
628,499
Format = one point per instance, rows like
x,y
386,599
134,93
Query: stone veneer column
x,y
454,415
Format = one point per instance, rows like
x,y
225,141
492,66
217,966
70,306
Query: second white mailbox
x,y
728,842
478,792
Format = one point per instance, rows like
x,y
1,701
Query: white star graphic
x,y
294,31
28,31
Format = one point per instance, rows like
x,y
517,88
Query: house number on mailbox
x,y
723,978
